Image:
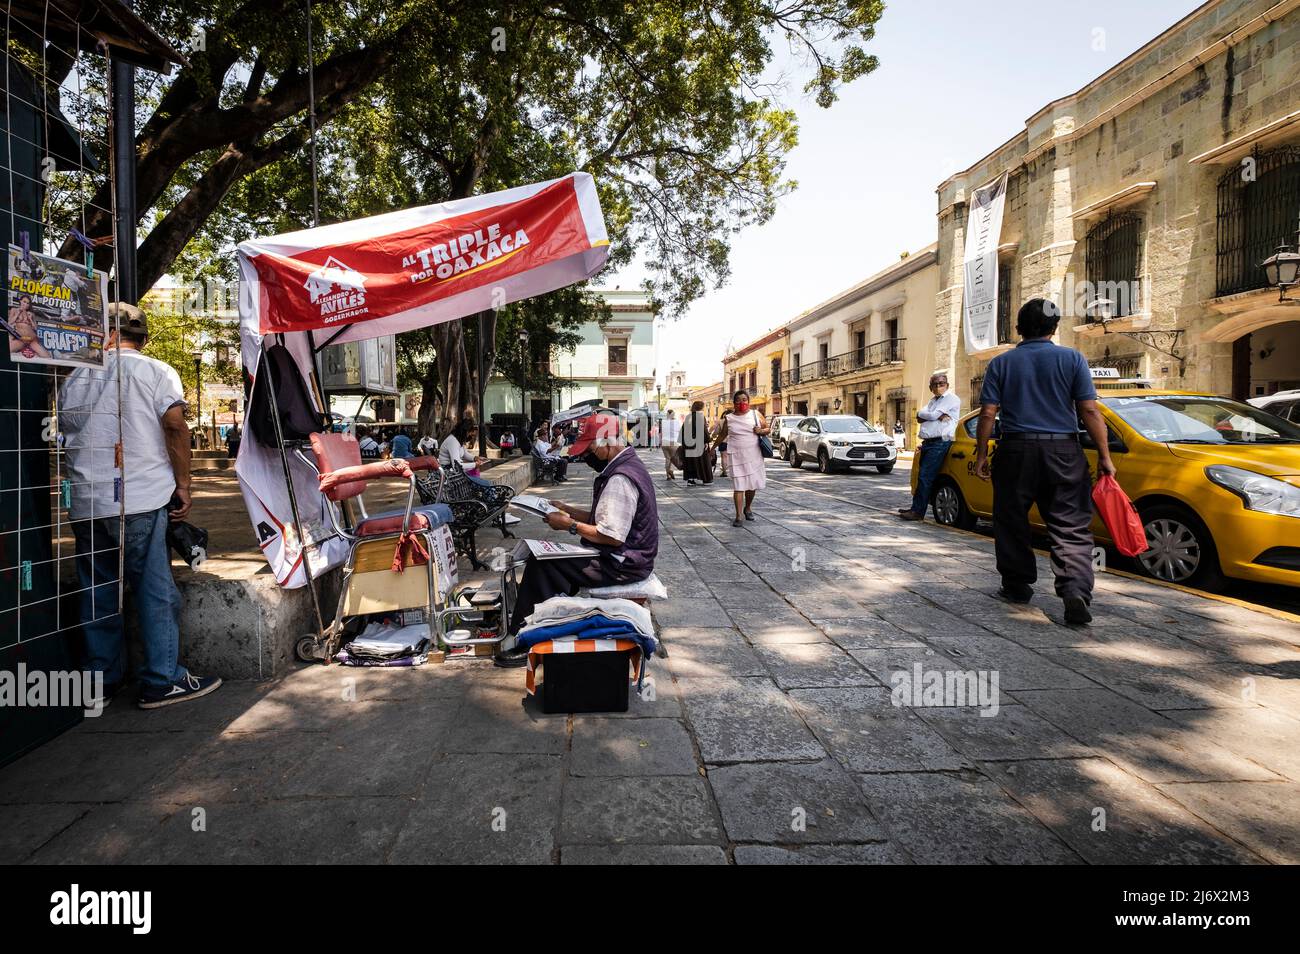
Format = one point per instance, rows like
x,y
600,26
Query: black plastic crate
x,y
585,682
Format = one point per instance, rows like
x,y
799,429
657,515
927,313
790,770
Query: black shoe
x,y
748,515
512,658
189,687
737,522
1076,611
1016,592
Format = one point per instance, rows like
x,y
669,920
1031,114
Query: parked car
x,y
839,441
782,425
1285,404
1216,482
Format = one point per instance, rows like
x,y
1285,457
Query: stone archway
x,y
1265,337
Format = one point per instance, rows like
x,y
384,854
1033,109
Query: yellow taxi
x,y
1216,481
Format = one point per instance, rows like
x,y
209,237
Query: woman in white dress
x,y
741,429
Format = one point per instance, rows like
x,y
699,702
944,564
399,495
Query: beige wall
x,y
905,291
1228,70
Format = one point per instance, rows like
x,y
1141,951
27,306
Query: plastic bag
x,y
189,542
1120,516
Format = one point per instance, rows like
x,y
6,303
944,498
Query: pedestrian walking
x,y
1043,392
938,427
696,462
143,472
740,431
234,437
672,439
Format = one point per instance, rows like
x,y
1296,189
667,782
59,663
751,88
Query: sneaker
x,y
1076,611
101,702
1016,592
189,687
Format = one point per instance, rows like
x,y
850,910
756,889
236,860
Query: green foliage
x,y
174,336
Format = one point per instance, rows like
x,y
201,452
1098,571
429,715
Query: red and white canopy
x,y
404,270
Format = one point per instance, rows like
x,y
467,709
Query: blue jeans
x,y
932,456
158,602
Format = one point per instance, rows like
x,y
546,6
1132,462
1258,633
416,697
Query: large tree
x,y
675,106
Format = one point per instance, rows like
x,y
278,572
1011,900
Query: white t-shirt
x,y
88,419
453,451
672,430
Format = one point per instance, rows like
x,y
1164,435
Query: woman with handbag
x,y
743,436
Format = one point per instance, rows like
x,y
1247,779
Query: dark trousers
x,y
1054,475
932,457
543,579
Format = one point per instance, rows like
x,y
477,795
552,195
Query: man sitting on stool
x,y
623,524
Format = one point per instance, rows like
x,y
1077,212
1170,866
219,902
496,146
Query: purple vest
x,y
642,544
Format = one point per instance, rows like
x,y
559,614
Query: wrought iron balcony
x,y
874,355
616,369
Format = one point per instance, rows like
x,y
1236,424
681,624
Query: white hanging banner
x,y
980,302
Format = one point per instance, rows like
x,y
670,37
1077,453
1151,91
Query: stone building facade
x,y
1143,204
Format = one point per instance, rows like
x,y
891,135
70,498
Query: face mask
x,y
742,407
594,462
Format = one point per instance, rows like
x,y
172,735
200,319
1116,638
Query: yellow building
x,y
1143,204
757,369
712,397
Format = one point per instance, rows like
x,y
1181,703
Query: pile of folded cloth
x,y
581,617
387,644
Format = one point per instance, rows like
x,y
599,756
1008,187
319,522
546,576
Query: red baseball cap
x,y
596,427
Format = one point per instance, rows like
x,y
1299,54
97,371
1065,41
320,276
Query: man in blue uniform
x,y
1043,392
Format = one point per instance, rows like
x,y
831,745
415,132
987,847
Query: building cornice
x,y
902,269
1146,91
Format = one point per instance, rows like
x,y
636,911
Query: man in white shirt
x,y
137,472
367,445
672,439
938,427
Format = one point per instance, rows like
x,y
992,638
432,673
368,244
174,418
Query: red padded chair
x,y
343,477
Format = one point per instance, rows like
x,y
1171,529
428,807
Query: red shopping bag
x,y
1120,516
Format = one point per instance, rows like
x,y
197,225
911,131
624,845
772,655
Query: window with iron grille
x,y
1004,303
1114,258
1258,210
776,375
753,379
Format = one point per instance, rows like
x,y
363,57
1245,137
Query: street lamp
x,y
523,373
1099,310
198,389
1282,268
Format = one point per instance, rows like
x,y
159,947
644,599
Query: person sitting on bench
x,y
546,451
622,524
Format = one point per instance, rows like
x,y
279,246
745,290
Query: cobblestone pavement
x,y
1164,733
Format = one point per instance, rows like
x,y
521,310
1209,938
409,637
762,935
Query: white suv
x,y
839,441
782,425
1285,404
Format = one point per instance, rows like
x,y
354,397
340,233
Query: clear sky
x,y
956,79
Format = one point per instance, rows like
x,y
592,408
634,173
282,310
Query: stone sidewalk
x,y
1165,733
